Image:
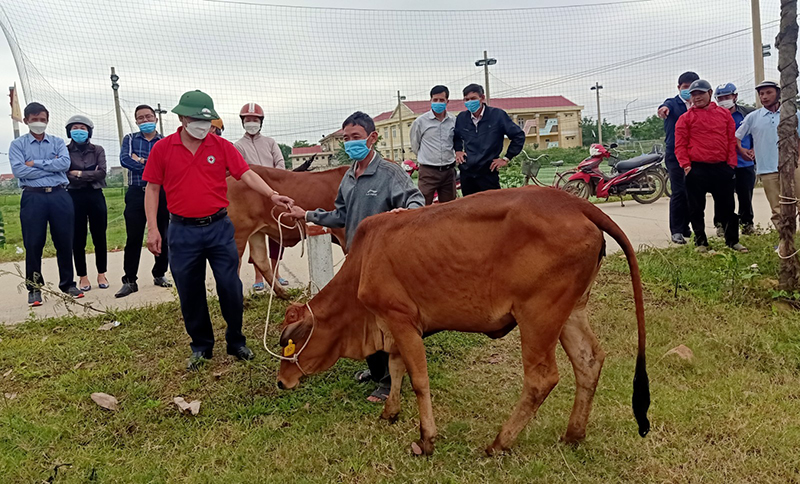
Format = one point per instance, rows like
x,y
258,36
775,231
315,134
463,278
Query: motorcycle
x,y
410,167
639,177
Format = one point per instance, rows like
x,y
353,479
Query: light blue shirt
x,y
50,161
762,124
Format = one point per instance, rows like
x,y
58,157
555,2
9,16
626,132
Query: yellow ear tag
x,y
289,350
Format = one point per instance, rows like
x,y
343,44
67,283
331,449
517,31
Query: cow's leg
x,y
539,332
240,236
412,350
587,357
260,256
397,370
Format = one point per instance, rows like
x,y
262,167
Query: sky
x,y
328,63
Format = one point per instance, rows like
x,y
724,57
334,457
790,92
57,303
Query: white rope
x,y
789,200
301,228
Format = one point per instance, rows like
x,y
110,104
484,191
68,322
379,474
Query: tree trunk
x,y
786,42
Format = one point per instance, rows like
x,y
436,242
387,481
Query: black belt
x,y
137,187
199,222
43,189
441,168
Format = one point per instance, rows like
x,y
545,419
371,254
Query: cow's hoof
x,y
572,438
494,450
281,293
390,417
421,448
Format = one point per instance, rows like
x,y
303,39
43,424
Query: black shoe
x,y
162,282
678,239
74,292
687,234
242,353
748,229
127,289
197,360
35,299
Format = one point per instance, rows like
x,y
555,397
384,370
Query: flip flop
x,y
382,393
259,286
283,282
363,376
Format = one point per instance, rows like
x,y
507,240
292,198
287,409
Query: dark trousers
x,y
378,364
745,183
432,180
36,210
718,180
135,224
481,183
678,201
90,208
190,248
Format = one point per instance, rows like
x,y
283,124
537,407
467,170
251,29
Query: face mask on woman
x,y
252,127
79,136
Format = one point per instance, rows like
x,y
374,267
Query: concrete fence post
x,y
320,257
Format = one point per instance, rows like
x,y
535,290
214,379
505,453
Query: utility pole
x,y
789,271
486,62
115,87
160,111
625,118
400,117
16,113
758,49
597,88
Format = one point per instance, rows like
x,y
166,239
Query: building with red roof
x,y
548,121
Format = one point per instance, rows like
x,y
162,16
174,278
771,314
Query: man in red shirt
x,y
192,166
705,145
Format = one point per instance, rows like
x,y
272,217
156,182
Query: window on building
x,y
409,125
394,131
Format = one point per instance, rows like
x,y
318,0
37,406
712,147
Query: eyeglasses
x,y
148,117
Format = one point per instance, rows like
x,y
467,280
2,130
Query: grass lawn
x,y
730,415
9,204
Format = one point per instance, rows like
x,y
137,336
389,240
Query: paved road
x,y
644,225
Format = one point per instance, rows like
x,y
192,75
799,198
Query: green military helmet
x,y
196,104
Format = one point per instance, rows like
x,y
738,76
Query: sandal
x,y
258,286
381,393
283,282
363,376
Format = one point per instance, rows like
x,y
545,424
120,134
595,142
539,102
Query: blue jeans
x,y
190,247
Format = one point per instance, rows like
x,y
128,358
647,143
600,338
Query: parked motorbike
x,y
410,167
639,177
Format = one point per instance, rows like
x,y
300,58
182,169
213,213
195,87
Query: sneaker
x,y
242,353
127,289
678,239
740,248
162,282
701,249
74,292
748,229
720,231
197,360
35,299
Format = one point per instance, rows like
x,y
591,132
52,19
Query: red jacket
x,y
706,136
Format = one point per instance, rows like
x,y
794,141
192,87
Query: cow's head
x,y
318,356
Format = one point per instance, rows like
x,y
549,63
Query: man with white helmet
x,y
727,97
87,178
260,150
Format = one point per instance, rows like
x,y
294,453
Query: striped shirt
x,y
136,143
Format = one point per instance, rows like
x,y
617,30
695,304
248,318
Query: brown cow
x,y
252,213
484,264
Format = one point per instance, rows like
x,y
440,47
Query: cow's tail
x,y
641,384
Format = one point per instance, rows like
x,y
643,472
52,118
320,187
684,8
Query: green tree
x,y
301,144
286,150
650,128
589,131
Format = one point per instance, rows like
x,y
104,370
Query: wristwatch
x,y
507,160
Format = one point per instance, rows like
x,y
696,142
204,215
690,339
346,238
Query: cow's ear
x,y
296,332
294,313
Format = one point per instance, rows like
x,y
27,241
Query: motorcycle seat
x,y
636,162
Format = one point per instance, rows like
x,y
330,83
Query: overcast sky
x,y
309,67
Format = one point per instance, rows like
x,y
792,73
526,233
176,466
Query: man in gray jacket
x,y
371,186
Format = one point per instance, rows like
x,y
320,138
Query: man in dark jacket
x,y
670,111
705,145
478,142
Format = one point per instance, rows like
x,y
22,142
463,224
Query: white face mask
x,y
198,129
252,127
727,104
37,128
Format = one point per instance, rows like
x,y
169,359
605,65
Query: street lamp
x,y
597,88
400,99
159,112
625,118
485,63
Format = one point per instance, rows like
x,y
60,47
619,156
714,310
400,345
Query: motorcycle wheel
x,y
562,178
667,183
579,188
656,180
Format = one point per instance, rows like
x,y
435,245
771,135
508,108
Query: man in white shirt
x,y
432,141
257,149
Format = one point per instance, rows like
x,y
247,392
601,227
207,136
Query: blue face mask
x,y
685,94
356,149
79,135
147,127
438,107
473,105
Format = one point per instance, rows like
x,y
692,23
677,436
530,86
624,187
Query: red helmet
x,y
251,109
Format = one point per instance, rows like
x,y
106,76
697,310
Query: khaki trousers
x,y
772,189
